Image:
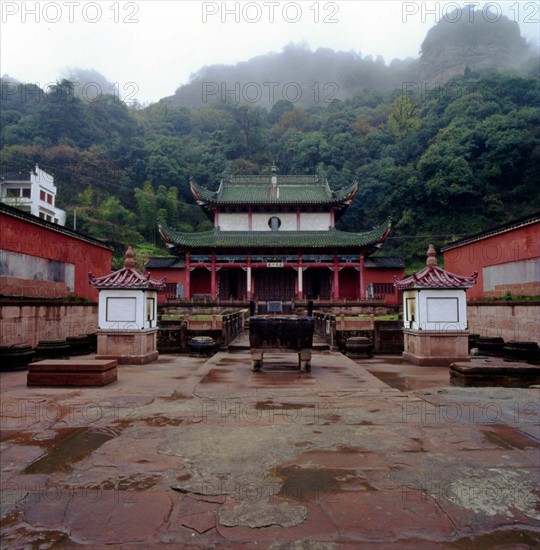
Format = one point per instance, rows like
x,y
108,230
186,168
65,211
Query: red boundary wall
x,y
23,235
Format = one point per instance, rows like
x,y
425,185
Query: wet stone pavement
x,y
202,453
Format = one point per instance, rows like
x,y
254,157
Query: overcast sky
x,y
151,47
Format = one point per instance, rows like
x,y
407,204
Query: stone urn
x,y
357,346
202,345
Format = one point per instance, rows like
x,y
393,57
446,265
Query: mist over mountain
x,y
89,84
306,78
296,74
479,41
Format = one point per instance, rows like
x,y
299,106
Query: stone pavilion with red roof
x,y
435,325
127,314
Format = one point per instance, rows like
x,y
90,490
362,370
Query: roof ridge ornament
x,y
129,261
127,278
433,276
431,260
320,176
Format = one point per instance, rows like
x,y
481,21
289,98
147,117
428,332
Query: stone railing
x,y
386,336
354,323
175,330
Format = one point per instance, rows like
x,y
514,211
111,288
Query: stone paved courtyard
x,y
195,453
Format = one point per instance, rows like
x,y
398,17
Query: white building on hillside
x,y
35,194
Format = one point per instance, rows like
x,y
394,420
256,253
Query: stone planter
x,y
92,339
473,341
79,345
16,357
53,349
529,352
490,345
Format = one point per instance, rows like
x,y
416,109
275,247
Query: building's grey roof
x,y
389,262
217,239
164,263
290,189
14,176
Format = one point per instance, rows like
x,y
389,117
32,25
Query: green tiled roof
x,y
293,189
216,239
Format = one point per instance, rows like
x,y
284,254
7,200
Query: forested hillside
x,y
441,161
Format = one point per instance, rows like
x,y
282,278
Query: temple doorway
x,y
349,283
232,284
317,284
274,284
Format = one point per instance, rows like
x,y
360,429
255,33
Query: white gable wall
x,y
315,221
288,221
309,221
233,222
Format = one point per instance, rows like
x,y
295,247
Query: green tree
x,y
147,210
402,120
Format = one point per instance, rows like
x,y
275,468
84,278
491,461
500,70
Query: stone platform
x,y
71,372
494,372
199,453
128,347
435,348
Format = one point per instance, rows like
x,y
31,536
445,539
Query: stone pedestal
x,y
435,348
494,372
128,347
71,373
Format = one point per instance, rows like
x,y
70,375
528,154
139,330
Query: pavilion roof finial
x,y
431,256
127,278
274,167
129,261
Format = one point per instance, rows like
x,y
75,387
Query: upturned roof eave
x,y
435,278
213,204
126,278
210,200
367,241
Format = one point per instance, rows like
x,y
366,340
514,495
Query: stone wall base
x,y
128,347
434,348
32,321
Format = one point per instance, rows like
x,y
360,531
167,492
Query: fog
x,y
147,49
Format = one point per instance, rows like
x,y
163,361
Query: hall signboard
x,y
274,263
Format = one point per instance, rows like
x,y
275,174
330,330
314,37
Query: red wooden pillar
x,y
298,219
213,282
188,275
362,278
332,218
216,219
335,286
300,278
250,220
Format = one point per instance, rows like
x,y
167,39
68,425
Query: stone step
x,y
73,373
493,372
